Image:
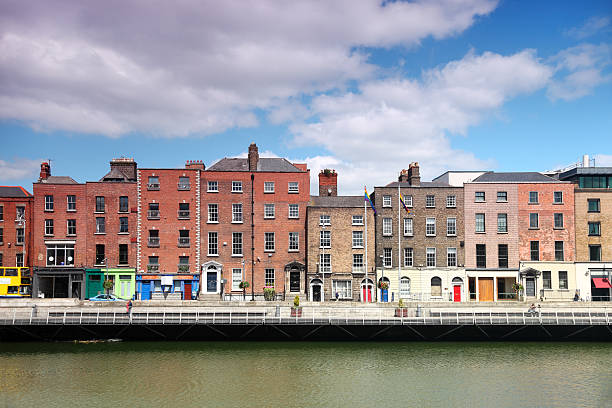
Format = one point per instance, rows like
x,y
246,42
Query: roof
x,y
336,201
13,192
582,171
514,177
58,180
115,175
424,184
270,164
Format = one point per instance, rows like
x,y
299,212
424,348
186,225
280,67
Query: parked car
x,y
103,297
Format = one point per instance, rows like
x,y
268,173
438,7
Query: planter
x,y
269,294
401,312
296,312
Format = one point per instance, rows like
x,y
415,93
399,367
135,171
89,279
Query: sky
x,y
361,86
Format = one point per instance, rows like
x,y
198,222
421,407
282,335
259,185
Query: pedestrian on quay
x,y
129,309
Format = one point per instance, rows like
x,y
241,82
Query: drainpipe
x,y
252,238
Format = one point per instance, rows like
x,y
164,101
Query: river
x,y
199,374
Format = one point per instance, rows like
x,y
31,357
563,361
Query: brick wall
x,y
8,244
583,240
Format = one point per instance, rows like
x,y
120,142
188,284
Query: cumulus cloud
x,y
19,168
191,67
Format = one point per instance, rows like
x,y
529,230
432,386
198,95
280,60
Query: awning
x,y
602,283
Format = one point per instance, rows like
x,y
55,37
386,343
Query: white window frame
x,y
408,200
387,257
68,233
386,201
294,211
409,257
213,243
325,239
324,219
387,227
270,277
430,201
430,251
408,227
358,264
404,287
451,226
476,223
478,198
212,187
213,213
237,244
451,257
505,200
357,220
451,201
69,202
430,222
498,224
269,211
268,187
49,227
325,263
103,224
236,186
357,239
237,217
536,195
343,288
48,202
236,278
294,242
555,197
269,244
293,187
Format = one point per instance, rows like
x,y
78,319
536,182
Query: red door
x,y
187,294
367,293
457,293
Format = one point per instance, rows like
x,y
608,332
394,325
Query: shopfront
x,y
167,286
58,283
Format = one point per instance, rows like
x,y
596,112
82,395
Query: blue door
x,y
384,295
145,293
211,282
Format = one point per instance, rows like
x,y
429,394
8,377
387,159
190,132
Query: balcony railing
x,y
184,186
153,186
153,214
183,268
153,268
183,214
183,242
153,242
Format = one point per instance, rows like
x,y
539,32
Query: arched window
x,y
436,287
405,287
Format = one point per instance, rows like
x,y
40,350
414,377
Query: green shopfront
x,y
124,280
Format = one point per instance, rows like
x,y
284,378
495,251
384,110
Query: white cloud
x,y
19,168
591,27
183,68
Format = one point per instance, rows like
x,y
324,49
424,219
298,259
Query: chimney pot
x,y
45,171
328,183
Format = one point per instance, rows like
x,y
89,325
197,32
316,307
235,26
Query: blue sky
x,y
360,87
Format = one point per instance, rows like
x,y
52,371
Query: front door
x,y
366,293
316,293
76,290
529,286
485,289
294,281
145,294
384,295
187,294
211,282
457,293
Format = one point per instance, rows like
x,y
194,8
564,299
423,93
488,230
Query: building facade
x,y
15,226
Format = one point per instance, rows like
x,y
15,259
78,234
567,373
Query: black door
x,y
294,281
530,287
316,293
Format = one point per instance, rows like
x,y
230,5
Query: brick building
x,y
253,226
341,245
419,248
15,226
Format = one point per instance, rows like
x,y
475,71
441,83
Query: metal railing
x,y
183,214
153,186
153,242
183,242
184,186
153,214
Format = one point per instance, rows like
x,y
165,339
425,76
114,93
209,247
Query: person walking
x,y
129,309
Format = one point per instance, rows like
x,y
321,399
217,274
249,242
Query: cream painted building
x,y
553,280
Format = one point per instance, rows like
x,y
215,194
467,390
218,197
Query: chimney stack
x,y
195,164
127,166
45,171
403,176
414,177
253,157
328,183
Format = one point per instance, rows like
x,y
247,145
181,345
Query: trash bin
x,y
277,312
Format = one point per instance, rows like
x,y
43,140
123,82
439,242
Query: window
x,y
153,238
48,203
595,253
237,212
325,239
183,265
546,280
430,201
357,239
236,186
558,220
20,213
294,187
236,278
357,220
387,226
60,255
342,288
1,236
502,196
71,200
48,227
153,213
502,255
533,197
535,250
408,200
20,235
123,225
183,211
562,280
1,213
451,256
481,256
268,210
294,211
269,241
593,204
100,225
408,257
387,201
436,287
324,220
100,254
269,277
325,262
18,261
237,243
213,243
533,221
451,226
408,231
595,228
183,240
294,241
430,227
451,201
268,187
123,254
404,287
123,204
184,183
358,266
559,256
153,266
430,256
387,257
99,204
71,227
502,222
480,222
479,196
213,187
594,182
558,197
213,213
153,183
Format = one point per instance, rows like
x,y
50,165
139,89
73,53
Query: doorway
x,y
457,286
530,287
485,289
316,290
187,293
294,281
367,287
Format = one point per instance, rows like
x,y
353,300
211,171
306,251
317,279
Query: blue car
x,y
104,298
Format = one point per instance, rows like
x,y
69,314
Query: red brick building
x,y
15,226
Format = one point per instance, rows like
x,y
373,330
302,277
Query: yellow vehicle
x,y
15,282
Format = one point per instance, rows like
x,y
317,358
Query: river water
x,y
306,375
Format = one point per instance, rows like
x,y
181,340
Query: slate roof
x,y
59,180
337,201
514,177
426,184
13,192
115,175
272,164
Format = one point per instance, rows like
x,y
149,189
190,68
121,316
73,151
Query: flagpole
x,y
399,249
365,216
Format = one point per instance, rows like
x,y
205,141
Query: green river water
x,y
306,375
